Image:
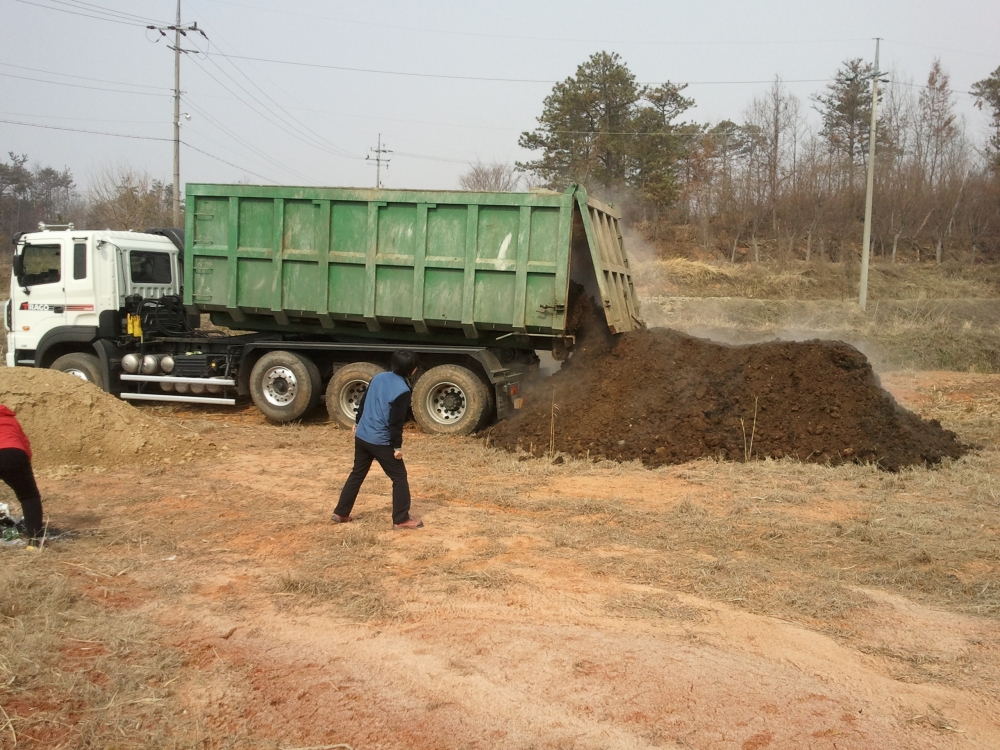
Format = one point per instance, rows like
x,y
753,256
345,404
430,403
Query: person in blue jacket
x,y
378,436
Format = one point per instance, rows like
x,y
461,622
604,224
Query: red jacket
x,y
11,434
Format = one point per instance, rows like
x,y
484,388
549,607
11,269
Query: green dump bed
x,y
429,266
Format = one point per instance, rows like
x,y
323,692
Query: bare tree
x,y
490,178
124,197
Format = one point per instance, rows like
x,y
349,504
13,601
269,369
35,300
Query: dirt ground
x,y
767,604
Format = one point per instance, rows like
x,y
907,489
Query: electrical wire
x,y
90,7
243,142
133,137
224,147
548,81
235,166
82,86
81,119
85,78
288,114
91,132
424,30
85,15
336,150
276,122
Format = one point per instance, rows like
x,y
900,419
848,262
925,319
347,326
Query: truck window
x,y
150,267
41,264
79,261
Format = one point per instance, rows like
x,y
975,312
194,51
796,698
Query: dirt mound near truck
x,y
665,397
72,422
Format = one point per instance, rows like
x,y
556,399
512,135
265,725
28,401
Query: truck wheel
x,y
82,365
450,400
284,385
347,386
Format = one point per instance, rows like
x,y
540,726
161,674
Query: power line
x,y
301,128
90,7
243,142
84,78
433,158
491,79
91,132
80,85
267,116
81,119
133,137
924,86
742,42
235,166
85,15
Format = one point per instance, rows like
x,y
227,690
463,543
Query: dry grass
x,y
680,277
75,672
348,575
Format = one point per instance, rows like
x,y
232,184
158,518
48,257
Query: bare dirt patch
x,y
766,604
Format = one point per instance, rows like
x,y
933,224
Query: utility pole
x,y
867,237
179,30
177,117
378,160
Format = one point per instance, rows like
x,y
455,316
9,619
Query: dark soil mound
x,y
665,397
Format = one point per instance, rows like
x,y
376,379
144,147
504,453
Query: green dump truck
x,y
318,286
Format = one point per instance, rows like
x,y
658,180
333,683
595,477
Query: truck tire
x,y
450,400
344,392
284,385
82,365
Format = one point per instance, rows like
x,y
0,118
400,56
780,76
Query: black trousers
x,y
394,468
15,470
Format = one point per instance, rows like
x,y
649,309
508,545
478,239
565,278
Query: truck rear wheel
x,y
450,400
82,365
346,389
285,385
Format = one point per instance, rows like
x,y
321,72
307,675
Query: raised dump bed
x,y
491,269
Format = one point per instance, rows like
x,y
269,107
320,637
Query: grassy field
x,y
920,317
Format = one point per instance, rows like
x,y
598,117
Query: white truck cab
x,y
68,289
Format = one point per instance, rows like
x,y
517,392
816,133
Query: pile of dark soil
x,y
665,398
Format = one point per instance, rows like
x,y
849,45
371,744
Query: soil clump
x,y
72,422
666,398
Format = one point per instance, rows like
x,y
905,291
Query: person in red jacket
x,y
15,470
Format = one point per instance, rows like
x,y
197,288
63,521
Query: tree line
x,y
120,197
770,187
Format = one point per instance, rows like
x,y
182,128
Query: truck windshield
x,y
41,264
149,267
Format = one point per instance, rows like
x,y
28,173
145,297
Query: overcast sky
x,y
437,102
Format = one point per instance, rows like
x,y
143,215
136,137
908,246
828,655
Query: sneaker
x,y
340,519
410,523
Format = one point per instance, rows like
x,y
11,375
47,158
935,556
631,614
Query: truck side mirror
x,y
18,267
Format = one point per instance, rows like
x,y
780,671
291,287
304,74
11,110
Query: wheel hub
x,y
77,374
446,403
280,386
351,395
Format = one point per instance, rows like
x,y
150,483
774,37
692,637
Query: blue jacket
x,y
382,410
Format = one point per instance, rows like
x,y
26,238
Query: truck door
x,y
38,296
78,269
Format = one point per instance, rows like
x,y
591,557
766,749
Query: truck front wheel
x,y
346,389
82,365
284,385
450,400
